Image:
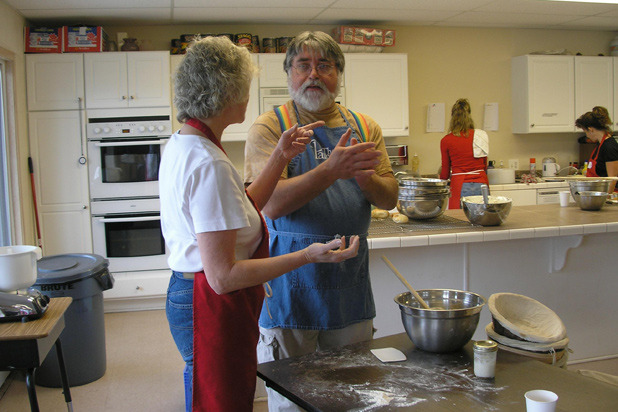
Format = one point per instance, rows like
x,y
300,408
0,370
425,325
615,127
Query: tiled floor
x,y
144,372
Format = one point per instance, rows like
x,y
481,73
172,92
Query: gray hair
x,y
314,41
213,74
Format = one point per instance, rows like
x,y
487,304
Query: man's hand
x,y
294,140
355,161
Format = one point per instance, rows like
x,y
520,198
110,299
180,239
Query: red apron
x,y
591,167
225,336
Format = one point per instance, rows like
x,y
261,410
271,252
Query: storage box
x,y
79,39
43,39
364,36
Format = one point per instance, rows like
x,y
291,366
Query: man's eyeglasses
x,y
322,69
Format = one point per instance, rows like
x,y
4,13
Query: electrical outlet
x,y
514,164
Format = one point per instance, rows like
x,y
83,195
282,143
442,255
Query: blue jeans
x,y
471,189
179,311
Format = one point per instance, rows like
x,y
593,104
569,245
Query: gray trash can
x,y
82,277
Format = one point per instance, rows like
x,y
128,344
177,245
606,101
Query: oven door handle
x,y
128,219
140,143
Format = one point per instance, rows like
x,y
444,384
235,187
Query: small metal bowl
x,y
589,200
423,207
447,327
494,214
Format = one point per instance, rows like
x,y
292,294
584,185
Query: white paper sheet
x,y
490,122
435,117
389,355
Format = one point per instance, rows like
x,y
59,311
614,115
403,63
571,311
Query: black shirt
x,y
608,153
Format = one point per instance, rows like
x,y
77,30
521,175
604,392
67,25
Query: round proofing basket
x,y
524,318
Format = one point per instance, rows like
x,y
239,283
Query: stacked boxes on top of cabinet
x,y
43,39
364,36
65,39
79,39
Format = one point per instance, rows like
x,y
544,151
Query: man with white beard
x,y
325,192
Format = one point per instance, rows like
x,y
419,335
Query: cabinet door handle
x,y
124,97
132,97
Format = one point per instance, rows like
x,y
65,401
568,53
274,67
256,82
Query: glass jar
x,y
130,44
485,353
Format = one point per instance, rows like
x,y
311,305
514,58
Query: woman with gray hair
x,y
215,232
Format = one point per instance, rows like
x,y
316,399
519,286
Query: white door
x,y
148,78
55,81
106,80
594,83
377,85
57,144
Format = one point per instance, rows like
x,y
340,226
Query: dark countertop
x,y
351,378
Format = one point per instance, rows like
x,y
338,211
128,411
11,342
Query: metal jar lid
x,y
485,346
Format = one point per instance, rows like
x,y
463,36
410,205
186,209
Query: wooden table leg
x,y
34,404
63,375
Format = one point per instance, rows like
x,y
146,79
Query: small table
x,y
352,378
24,345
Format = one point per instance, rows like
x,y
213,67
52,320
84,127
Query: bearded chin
x,y
313,100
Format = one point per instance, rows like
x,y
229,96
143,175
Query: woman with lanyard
x,y
603,161
464,155
215,232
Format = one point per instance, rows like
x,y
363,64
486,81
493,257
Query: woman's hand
x,y
333,251
294,140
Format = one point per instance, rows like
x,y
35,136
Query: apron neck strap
x,y
203,127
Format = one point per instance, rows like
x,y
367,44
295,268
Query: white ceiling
x,y
462,13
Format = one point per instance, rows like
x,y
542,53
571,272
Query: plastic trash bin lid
x,y
69,267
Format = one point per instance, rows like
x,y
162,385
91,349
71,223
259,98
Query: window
x,y
5,227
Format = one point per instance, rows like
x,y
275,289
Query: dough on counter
x,y
399,218
379,213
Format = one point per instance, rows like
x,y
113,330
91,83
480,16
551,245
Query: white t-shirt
x,y
201,191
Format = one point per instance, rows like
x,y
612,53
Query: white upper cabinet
x,y
594,83
271,70
377,85
55,81
127,79
543,94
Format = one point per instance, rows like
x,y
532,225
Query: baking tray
x,y
388,227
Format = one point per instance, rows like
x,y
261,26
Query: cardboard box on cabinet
x,y
364,36
43,39
80,39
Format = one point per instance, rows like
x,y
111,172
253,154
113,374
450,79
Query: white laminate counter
x,y
561,256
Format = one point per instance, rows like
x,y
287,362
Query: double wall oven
x,y
124,150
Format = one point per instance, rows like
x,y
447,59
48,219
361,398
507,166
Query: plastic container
x,y
415,164
82,277
485,353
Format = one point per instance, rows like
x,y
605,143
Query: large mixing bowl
x,y
494,214
422,182
423,207
589,200
445,329
577,186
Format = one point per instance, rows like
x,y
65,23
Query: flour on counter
x,y
352,379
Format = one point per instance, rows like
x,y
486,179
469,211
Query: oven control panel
x,y
128,129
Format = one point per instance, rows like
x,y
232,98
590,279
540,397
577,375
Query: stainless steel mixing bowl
x,y
578,186
445,329
494,214
423,207
422,182
589,200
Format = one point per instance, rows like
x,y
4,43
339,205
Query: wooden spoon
x,y
405,283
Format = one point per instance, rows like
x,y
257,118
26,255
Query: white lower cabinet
x,y
143,290
525,197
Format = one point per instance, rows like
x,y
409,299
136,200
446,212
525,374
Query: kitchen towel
x,y
480,143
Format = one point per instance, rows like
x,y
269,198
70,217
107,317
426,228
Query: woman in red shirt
x,y
464,155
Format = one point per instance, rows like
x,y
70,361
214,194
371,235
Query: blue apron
x,y
321,295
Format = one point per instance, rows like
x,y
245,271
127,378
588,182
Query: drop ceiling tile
x,y
96,16
420,5
86,4
253,15
488,19
384,15
592,23
252,4
546,7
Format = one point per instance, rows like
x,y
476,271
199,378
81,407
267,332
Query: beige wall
x,y
445,64
11,40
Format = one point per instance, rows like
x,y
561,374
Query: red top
x,y
457,155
